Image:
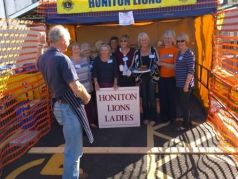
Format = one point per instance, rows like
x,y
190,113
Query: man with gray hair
x,y
69,97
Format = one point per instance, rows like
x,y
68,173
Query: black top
x,y
149,61
105,72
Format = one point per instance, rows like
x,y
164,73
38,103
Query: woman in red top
x,y
167,85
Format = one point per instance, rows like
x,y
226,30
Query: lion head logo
x,y
67,4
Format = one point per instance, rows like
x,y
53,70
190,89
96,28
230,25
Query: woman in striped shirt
x,y
83,69
184,74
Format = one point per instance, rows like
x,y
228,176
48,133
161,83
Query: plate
x,y
141,71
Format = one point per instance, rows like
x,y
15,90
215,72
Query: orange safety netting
x,y
25,114
223,93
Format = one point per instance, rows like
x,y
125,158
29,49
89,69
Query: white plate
x,y
141,71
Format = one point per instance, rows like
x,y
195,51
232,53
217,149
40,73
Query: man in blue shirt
x,y
69,95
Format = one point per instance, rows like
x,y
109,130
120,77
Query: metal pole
x,y
5,9
5,12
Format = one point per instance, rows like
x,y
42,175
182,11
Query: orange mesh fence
x,y
223,94
25,114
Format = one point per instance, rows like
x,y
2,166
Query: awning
x,y
200,8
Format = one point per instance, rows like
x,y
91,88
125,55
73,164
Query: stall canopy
x,y
201,7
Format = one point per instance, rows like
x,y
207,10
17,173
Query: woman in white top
x,y
144,66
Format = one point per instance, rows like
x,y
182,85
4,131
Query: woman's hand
x,y
172,66
160,63
97,87
115,86
186,88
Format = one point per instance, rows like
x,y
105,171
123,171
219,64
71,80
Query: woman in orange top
x,y
167,84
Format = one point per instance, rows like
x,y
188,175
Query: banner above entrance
x,y
83,6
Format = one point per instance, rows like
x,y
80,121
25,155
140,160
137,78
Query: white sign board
x,y
126,18
118,108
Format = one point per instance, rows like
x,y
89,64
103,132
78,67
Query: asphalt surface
x,y
103,165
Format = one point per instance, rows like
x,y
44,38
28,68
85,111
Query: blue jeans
x,y
73,139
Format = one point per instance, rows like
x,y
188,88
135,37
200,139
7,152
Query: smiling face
x,y
87,53
169,38
182,41
75,50
104,52
144,42
124,43
168,41
181,44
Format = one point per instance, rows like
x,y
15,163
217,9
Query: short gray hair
x,y
105,46
58,32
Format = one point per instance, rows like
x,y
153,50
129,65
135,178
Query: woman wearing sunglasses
x,y
124,57
184,74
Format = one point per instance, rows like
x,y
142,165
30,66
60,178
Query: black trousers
x,y
147,90
183,101
167,97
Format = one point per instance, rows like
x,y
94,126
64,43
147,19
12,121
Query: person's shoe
x,y
164,121
187,125
181,128
152,123
93,125
146,122
173,121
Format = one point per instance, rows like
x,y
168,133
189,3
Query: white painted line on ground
x,y
150,136
138,150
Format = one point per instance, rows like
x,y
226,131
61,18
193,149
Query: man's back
x,y
57,71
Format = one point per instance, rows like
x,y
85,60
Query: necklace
x,y
124,51
145,52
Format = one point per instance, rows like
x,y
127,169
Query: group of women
x,y
170,66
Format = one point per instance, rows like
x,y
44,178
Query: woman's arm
x,y
191,68
80,91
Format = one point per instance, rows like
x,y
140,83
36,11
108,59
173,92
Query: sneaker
x,y
93,125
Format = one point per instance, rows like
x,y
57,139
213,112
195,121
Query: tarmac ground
x,y
145,152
